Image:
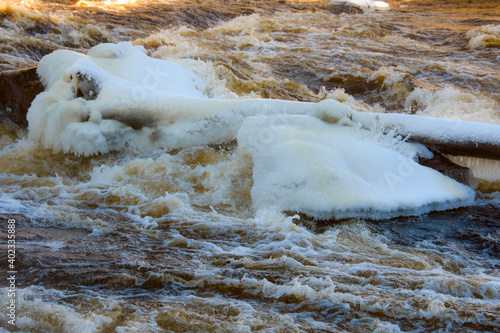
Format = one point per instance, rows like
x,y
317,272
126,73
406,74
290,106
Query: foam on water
x,y
485,36
452,103
37,314
10,205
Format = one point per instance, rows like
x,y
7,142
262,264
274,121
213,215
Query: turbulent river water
x,y
155,240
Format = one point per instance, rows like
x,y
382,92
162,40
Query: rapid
x,y
176,224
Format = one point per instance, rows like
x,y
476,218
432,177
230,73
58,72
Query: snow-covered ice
x,y
322,159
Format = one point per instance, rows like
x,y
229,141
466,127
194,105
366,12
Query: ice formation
x,y
116,96
322,159
368,4
325,170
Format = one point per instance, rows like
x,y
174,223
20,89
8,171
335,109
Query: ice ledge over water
x,y
305,165
365,4
316,158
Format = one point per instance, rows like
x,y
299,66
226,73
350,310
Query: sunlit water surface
x,y
157,241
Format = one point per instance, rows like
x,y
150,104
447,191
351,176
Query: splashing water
x,y
177,238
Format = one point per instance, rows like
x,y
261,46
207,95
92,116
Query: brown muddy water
x,y
169,241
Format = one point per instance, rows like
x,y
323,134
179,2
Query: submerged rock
x,y
86,87
18,88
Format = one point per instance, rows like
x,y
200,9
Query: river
x,y
170,240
